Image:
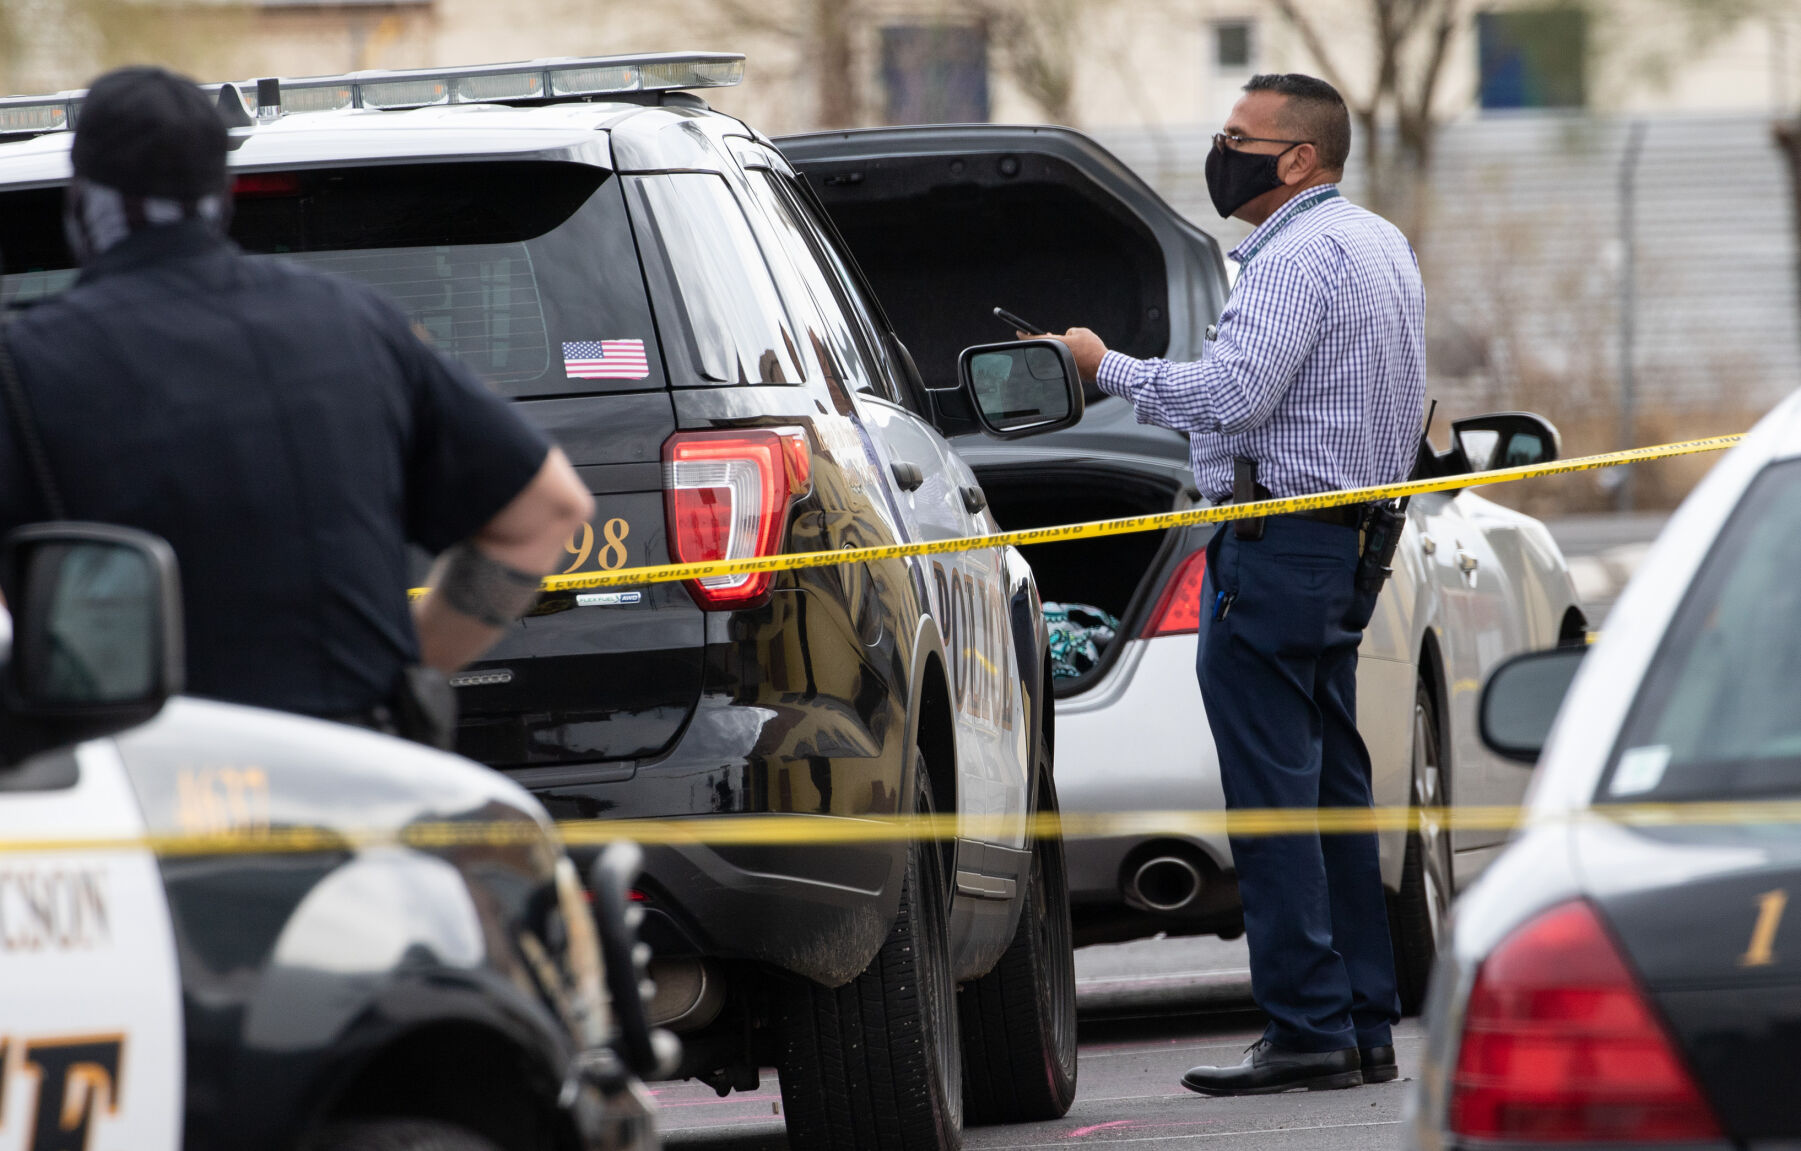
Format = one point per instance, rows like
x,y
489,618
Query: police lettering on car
x,y
172,975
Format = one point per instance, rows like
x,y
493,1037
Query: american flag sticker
x,y
604,360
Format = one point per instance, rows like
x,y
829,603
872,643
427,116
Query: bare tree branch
x,y
754,18
1448,16
1388,47
1316,47
1037,45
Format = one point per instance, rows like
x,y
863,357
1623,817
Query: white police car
x,y
323,985
1627,973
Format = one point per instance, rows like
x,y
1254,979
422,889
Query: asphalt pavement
x,y
1150,1010
1603,551
1153,1008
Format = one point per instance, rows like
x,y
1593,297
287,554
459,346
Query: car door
x,y
1480,630
935,496
90,998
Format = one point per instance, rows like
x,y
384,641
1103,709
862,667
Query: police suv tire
x,y
398,1135
1019,1020
1419,912
877,1063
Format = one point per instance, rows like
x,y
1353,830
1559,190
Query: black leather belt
x,y
1344,515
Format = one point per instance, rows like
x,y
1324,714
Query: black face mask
x,y
1236,178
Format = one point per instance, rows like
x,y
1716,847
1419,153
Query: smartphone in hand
x,y
1018,324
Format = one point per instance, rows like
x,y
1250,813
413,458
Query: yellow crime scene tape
x,y
761,829
664,573
817,830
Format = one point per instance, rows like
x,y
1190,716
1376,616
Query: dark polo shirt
x,y
286,432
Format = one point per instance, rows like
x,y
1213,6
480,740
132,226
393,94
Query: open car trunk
x,y
949,222
1121,575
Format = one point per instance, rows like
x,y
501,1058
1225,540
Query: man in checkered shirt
x,y
1317,373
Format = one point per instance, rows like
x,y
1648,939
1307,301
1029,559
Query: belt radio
x,y
1383,523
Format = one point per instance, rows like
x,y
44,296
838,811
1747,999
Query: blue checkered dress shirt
x,y
1318,370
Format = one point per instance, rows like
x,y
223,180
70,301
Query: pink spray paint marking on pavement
x,y
1081,1131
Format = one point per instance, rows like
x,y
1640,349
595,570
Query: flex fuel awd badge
x,y
607,598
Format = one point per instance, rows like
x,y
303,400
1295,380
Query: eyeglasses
x,y
1222,139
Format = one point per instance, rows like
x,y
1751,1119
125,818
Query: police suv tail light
x,y
1561,1046
727,496
1178,610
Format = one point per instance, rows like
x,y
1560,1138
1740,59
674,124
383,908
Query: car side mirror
x,y
1522,698
97,629
1023,387
1506,440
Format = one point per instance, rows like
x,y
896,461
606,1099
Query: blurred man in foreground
x,y
285,430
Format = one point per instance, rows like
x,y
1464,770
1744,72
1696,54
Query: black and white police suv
x,y
656,289
340,995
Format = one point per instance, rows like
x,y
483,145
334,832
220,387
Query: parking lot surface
x,y
1150,1010
1603,551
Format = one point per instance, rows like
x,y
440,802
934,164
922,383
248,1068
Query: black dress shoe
x,y
1378,1063
1269,1069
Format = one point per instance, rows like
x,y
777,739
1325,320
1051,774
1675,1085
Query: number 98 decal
x,y
611,553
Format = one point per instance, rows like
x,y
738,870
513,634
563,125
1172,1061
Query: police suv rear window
x,y
526,271
715,287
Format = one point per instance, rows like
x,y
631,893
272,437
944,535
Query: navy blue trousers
x,y
1281,621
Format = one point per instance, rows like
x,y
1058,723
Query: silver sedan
x,y
1474,583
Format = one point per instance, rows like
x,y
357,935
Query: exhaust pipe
x,y
1165,883
689,994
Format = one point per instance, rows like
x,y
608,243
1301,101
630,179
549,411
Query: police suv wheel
x,y
877,1063
1019,1020
398,1135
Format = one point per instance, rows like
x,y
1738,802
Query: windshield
x,y
526,271
1719,715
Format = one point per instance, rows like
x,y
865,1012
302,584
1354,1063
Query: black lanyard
x,y
1307,205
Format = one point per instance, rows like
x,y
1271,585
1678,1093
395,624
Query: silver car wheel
x,y
1429,797
1418,913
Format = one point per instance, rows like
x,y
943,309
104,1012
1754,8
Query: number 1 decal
x,y
1762,951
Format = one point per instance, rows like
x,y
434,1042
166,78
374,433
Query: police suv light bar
x,y
531,81
37,114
